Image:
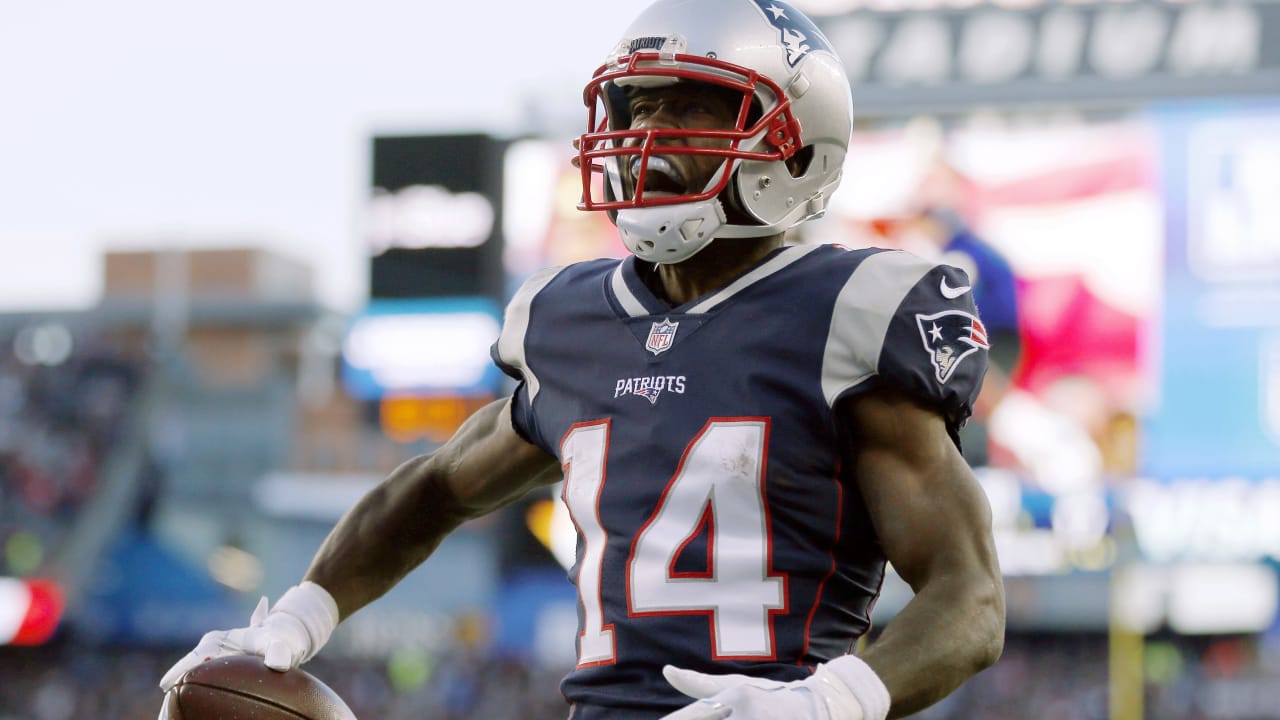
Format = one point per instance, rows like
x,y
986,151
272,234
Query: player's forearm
x,y
388,533
952,629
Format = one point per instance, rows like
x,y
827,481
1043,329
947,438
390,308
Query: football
x,y
240,687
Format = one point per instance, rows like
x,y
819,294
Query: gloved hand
x,y
845,688
288,635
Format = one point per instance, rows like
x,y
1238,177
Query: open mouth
x,y
662,178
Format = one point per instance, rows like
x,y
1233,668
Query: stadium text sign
x,y
1206,520
428,216
1057,52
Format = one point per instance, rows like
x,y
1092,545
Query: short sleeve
x,y
935,348
910,323
509,352
522,420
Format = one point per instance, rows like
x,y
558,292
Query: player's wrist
x,y
315,609
849,682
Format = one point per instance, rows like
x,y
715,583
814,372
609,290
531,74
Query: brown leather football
x,y
240,687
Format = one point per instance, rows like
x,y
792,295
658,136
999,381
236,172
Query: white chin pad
x,y
670,233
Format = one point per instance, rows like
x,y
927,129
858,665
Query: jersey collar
x,y
634,299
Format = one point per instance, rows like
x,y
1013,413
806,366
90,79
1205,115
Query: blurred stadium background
x,y
254,257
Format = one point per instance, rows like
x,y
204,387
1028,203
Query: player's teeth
x,y
657,164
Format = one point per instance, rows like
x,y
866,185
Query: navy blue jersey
x,y
718,527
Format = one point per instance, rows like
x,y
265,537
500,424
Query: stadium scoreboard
x,y
434,217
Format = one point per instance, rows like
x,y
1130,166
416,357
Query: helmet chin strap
x,y
750,231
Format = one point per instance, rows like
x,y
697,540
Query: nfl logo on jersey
x,y
660,336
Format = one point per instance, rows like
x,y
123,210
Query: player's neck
x,y
711,269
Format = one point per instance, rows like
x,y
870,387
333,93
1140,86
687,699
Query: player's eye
x,y
643,108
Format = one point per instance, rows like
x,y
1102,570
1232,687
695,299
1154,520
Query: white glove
x,y
287,636
845,688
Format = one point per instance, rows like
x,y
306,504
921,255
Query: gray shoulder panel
x,y
861,317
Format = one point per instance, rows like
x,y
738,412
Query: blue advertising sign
x,y
422,346
1217,411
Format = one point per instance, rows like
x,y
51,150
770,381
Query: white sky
x,y
148,123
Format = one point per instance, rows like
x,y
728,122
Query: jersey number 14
x,y
717,489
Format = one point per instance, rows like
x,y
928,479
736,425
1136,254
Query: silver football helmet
x,y
782,160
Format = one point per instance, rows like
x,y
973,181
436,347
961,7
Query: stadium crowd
x,y
1064,677
63,397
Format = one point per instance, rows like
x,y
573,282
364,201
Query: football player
x,y
747,431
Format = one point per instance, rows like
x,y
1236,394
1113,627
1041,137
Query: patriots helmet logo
x,y
796,31
949,337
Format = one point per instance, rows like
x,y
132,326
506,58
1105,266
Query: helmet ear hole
x,y
798,164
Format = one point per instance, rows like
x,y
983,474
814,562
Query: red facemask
x,y
605,148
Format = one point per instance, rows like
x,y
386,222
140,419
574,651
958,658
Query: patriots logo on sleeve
x,y
798,33
949,337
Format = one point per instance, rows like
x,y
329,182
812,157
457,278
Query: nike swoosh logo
x,y
951,293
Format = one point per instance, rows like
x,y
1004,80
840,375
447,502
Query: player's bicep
x,y
487,464
928,509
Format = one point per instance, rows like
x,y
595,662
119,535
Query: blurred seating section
x,y
65,397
